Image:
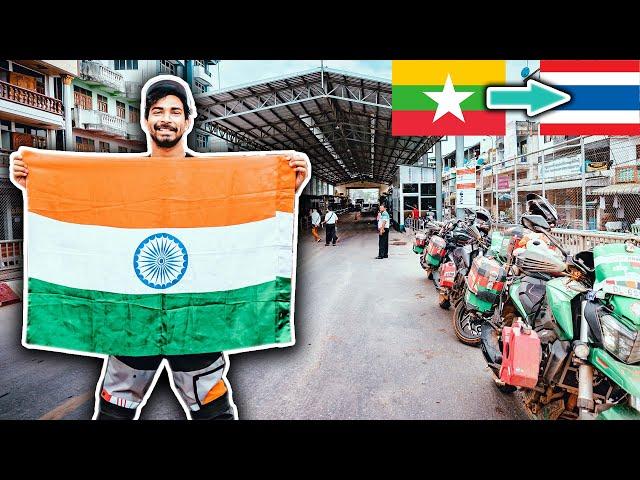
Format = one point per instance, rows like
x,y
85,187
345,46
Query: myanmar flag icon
x,y
445,97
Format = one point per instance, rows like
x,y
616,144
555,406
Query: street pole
x,y
482,186
584,185
459,164
439,181
495,182
67,99
514,200
542,166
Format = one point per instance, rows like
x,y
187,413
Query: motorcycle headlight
x,y
620,341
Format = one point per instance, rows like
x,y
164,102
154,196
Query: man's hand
x,y
298,161
20,170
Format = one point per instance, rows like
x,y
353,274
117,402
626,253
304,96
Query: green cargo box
x,y
433,261
474,303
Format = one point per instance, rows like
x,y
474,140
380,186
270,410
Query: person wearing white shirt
x,y
315,223
330,220
384,224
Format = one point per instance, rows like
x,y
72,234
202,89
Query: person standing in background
x,y
315,223
330,220
384,223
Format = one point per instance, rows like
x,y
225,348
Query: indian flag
x,y
133,255
445,97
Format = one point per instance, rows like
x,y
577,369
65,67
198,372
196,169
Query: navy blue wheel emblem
x,y
160,261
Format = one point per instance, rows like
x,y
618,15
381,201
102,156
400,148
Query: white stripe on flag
x,y
590,116
101,258
590,78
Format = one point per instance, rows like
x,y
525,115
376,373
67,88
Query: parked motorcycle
x,y
482,286
449,254
566,329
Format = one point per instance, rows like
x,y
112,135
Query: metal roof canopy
x,y
341,120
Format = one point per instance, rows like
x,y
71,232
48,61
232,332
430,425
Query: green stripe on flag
x,y
171,324
411,97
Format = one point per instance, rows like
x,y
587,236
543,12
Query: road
x,y
371,343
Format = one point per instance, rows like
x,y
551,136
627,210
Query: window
x,y
427,189
134,114
167,67
125,64
102,103
122,149
427,204
26,78
410,188
201,141
85,145
82,98
121,109
199,87
104,147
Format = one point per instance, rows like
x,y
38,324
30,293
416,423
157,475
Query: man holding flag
x,y
199,379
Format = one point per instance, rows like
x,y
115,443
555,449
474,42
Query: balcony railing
x,y
97,73
27,97
100,121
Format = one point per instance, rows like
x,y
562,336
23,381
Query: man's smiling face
x,y
167,121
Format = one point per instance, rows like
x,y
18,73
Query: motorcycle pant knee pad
x,y
218,409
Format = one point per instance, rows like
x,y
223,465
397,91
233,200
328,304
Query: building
x,y
106,115
107,101
34,100
413,187
556,167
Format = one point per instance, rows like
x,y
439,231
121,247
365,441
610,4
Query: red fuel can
x,y
447,274
521,356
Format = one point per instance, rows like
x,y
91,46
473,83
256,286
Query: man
x,y
330,220
315,223
384,223
199,379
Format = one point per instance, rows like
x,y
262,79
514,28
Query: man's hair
x,y
164,89
330,208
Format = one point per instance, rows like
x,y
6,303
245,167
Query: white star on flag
x,y
448,100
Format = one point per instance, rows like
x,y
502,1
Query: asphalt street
x,y
371,343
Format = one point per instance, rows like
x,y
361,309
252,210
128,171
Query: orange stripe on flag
x,y
216,391
153,192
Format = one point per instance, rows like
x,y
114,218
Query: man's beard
x,y
165,143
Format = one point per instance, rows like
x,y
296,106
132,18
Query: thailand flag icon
x,y
605,97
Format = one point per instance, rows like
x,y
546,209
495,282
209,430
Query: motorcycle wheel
x,y
463,327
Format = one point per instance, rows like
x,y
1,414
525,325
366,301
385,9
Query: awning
x,y
591,182
619,189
